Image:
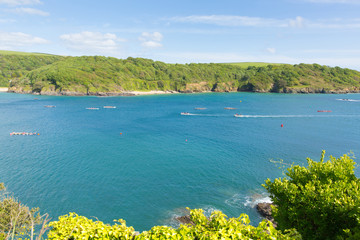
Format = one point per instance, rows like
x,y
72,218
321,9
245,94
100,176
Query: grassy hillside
x,y
47,74
14,65
5,52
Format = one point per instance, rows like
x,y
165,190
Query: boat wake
x,y
293,116
203,115
348,100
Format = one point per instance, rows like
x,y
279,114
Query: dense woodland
x,y
90,75
17,66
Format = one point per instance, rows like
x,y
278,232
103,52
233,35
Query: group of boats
x,y
96,108
88,108
25,133
236,114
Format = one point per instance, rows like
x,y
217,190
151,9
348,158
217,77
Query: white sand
x,y
149,92
3,89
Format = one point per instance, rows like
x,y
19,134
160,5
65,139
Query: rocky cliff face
x,y
265,210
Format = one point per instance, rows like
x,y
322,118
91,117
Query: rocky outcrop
x,y
185,220
68,93
196,87
225,87
319,90
265,210
190,88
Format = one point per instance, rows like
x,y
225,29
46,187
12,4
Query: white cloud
x,y
7,20
151,40
31,11
236,21
92,42
336,24
297,22
227,20
243,21
271,50
151,44
10,40
20,2
155,36
335,1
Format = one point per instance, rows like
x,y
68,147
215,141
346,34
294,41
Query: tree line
x,y
92,74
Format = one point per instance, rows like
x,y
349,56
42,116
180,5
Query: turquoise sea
x,y
163,161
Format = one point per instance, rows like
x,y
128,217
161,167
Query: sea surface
x,y
145,162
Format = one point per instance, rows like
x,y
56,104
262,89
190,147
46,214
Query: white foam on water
x,y
348,100
247,201
294,116
208,210
206,115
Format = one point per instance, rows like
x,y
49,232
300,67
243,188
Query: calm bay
x,y
145,162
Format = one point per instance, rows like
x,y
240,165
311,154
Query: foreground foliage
x,y
322,200
17,219
218,226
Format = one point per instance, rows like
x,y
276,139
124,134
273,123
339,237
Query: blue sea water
x,y
163,161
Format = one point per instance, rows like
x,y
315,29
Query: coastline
x,y
158,92
153,92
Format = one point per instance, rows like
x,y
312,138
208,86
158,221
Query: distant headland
x,y
106,76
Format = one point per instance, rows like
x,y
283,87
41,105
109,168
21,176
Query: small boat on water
x,y
324,111
238,115
49,106
185,113
24,133
109,107
92,108
229,108
198,108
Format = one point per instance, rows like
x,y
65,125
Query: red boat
x,y
324,110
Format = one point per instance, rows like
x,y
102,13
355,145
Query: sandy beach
x,y
3,89
149,92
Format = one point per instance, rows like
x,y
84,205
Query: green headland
x,y
47,74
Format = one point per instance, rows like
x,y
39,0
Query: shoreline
x,y
159,92
152,92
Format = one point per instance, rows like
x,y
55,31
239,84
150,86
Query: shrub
x,y
218,226
322,200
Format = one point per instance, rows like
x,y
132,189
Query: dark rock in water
x,y
185,220
265,210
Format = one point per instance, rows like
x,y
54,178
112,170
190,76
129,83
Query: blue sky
x,y
285,31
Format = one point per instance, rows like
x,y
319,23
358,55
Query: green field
x,y
252,64
5,52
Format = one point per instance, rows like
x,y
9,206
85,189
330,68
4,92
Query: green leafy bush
x,y
73,226
322,200
218,226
